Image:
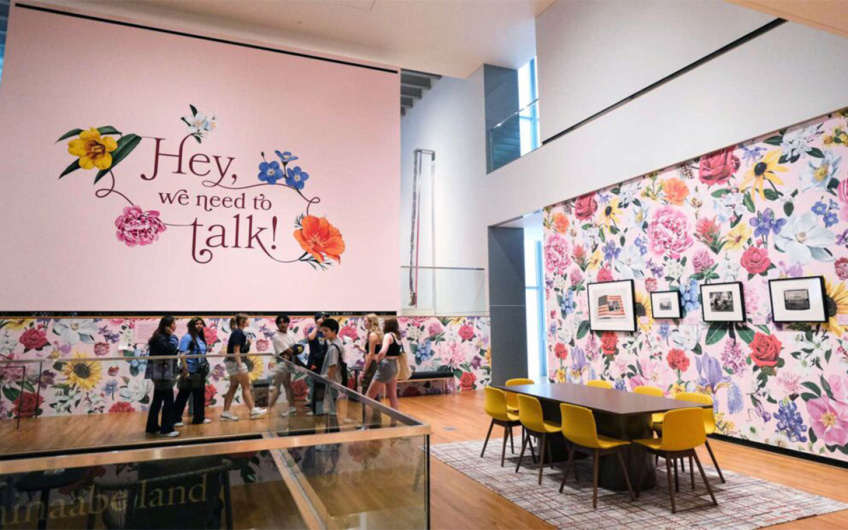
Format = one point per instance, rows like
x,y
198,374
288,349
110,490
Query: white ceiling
x,y
446,37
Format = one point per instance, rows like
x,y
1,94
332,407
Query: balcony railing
x,y
443,291
514,137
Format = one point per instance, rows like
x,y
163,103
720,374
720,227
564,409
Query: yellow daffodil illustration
x,y
93,149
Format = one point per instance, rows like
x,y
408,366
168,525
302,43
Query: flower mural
x,y
73,381
774,207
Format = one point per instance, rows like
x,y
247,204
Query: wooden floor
x,y
456,500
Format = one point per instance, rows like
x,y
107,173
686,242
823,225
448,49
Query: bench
x,y
446,376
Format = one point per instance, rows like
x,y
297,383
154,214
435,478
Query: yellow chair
x,y
530,415
578,427
683,431
598,383
709,420
656,418
512,397
496,408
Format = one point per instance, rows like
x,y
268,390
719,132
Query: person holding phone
x,y
237,370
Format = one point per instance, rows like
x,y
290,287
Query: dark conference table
x,y
622,415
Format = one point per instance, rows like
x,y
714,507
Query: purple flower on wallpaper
x,y
752,154
621,384
657,270
830,219
591,347
761,412
790,270
732,357
578,359
765,223
109,335
642,245
790,422
820,208
702,261
475,362
611,250
710,374
48,378
664,330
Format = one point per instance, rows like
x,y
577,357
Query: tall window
x,y
528,102
4,22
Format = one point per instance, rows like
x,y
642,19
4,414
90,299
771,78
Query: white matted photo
x,y
722,302
611,306
666,304
798,299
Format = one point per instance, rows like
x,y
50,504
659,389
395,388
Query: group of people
x,y
382,348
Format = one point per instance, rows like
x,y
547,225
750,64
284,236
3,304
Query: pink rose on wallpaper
x,y
113,371
435,328
349,331
605,274
829,419
841,267
651,284
101,349
677,360
466,332
842,192
467,380
34,339
668,232
557,259
136,227
756,260
717,167
262,345
210,335
609,342
585,206
702,260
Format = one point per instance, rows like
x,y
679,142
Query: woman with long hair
x,y
238,371
163,343
373,340
194,371
387,357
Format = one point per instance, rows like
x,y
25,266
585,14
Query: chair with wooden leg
x,y
579,428
512,404
683,431
600,383
530,415
709,421
496,409
656,425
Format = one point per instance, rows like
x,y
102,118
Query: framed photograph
x,y
666,304
722,302
611,306
798,299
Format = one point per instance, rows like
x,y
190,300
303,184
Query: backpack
x,y
342,365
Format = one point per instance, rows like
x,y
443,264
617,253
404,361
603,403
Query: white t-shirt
x,y
283,341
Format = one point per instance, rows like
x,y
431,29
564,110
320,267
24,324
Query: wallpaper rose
x,y
773,207
69,381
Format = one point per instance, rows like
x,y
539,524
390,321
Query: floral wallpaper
x,y
772,207
72,381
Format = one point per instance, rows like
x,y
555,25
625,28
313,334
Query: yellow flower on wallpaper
x,y
595,259
762,171
93,150
644,316
254,367
609,214
736,238
84,374
560,375
837,304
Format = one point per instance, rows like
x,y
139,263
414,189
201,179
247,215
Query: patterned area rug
x,y
743,502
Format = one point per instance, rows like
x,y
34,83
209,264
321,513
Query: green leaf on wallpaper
x,y
601,236
697,350
715,333
746,334
108,129
69,134
832,185
720,193
774,140
806,396
826,387
827,355
771,194
193,110
812,435
816,152
71,168
821,254
788,208
622,240
765,329
637,202
126,145
613,229
813,387
582,329
749,203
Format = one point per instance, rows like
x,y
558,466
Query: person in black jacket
x,y
163,343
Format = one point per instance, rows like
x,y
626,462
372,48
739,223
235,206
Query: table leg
x,y
639,463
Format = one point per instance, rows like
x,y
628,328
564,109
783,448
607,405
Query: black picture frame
x,y
594,326
823,294
679,313
705,301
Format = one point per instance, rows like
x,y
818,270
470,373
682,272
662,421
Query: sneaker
x,y
204,422
228,416
310,413
179,424
172,434
257,413
292,411
284,414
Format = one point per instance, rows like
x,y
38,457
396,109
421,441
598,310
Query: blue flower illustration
x,y
790,422
765,223
689,293
611,251
819,208
286,156
270,172
830,219
296,177
424,352
568,304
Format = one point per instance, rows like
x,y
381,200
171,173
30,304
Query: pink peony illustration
x,y
669,232
137,227
557,257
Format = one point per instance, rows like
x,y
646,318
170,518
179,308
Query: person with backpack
x,y
315,361
192,382
334,367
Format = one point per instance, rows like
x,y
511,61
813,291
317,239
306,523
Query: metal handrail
x,y
132,358
514,114
444,268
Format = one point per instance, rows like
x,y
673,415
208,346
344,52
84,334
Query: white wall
x,y
593,54
449,120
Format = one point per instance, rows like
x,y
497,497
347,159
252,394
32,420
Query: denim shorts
x,y
387,371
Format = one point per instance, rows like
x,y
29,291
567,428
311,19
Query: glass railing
x,y
353,463
514,137
443,291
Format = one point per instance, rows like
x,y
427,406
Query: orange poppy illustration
x,y
320,239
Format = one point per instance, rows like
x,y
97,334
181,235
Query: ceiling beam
x,y
405,101
411,92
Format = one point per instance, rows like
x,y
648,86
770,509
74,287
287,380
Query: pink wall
x,y
342,122
707,221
